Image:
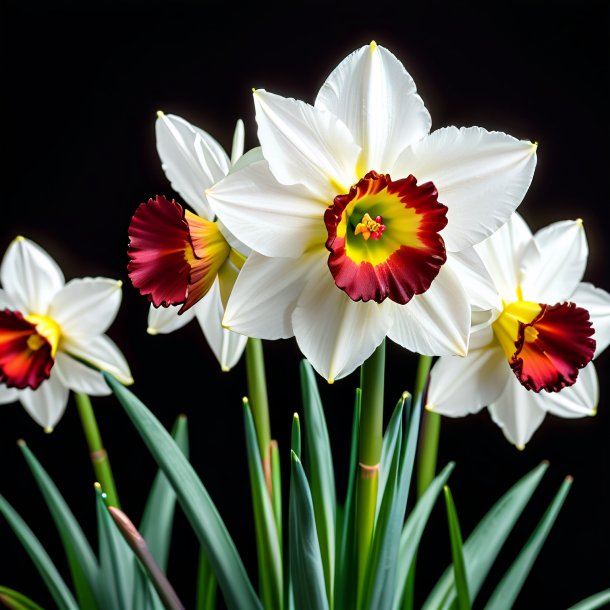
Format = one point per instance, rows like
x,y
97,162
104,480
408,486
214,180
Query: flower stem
x,y
369,455
257,396
431,426
99,457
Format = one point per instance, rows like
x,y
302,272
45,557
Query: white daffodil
x,y
547,325
52,334
359,217
183,258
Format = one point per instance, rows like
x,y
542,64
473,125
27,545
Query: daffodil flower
x,y
358,217
52,334
546,327
183,262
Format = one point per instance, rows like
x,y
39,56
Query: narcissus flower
x,y
358,217
546,327
52,334
183,262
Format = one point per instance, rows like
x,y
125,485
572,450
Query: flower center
x,y
175,255
27,349
368,227
408,258
545,345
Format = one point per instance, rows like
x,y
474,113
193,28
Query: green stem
x,y
431,426
369,455
257,397
99,457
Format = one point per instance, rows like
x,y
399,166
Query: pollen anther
x,y
369,227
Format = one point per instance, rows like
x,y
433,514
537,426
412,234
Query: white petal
x,y
237,148
437,322
597,302
8,394
306,145
30,276
372,93
335,333
475,279
6,302
481,331
517,412
189,169
578,400
102,353
79,377
481,176
459,386
164,320
86,306
266,293
270,218
502,253
47,403
554,262
227,346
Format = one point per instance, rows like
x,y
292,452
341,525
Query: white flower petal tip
x,y
520,447
373,46
225,369
331,380
152,331
160,114
48,430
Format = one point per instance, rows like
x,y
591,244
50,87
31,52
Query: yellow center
x,y
47,329
506,327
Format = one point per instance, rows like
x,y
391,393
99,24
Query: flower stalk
x,y
369,455
259,403
431,426
97,453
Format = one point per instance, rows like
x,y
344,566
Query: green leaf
x,y
382,571
206,584
117,567
305,561
414,528
321,473
486,540
83,564
52,579
346,568
197,505
267,543
599,600
17,601
459,570
295,437
506,592
276,485
140,549
158,518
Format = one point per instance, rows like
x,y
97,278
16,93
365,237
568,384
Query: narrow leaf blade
x,y
457,553
17,601
599,600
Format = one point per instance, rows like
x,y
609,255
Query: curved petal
x,y
189,167
597,302
102,353
6,302
164,320
372,93
475,278
30,276
481,176
46,404
460,386
79,377
266,293
517,412
237,147
306,145
578,400
86,306
227,345
436,323
8,394
502,254
335,333
270,218
554,262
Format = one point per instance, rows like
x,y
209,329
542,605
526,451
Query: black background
x,y
80,92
